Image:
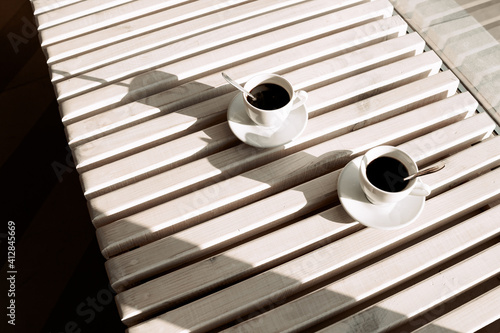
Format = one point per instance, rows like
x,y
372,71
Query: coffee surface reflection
x,y
269,96
387,174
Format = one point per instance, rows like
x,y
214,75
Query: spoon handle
x,y
426,171
236,85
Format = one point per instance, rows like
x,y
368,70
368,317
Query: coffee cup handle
x,y
420,189
300,99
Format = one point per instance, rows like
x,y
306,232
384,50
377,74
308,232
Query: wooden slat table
x,y
204,232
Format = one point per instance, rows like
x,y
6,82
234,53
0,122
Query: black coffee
x,y
269,96
387,174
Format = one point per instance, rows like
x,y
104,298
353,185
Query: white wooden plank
x,y
236,51
73,11
377,80
470,317
296,275
187,79
111,17
252,256
195,207
486,156
208,237
396,310
204,276
327,302
42,6
178,25
192,12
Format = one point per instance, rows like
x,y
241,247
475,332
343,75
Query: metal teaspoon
x,y
236,85
426,171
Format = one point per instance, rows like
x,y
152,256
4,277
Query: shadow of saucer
x,y
150,82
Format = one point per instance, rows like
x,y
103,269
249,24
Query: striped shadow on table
x,y
210,140
325,263
165,90
170,125
293,24
330,258
302,235
301,166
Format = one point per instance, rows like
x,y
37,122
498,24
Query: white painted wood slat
x,y
470,317
437,289
74,11
42,6
179,23
104,19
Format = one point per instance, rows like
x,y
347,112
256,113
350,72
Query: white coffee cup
x,y
272,118
378,196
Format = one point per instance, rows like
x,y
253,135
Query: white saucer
x,y
250,133
354,201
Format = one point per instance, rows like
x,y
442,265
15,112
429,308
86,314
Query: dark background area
x,y
61,284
